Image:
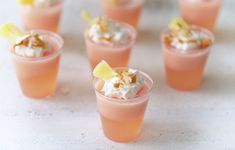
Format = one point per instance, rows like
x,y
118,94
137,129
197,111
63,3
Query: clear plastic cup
x,y
129,12
201,12
122,119
184,69
116,56
38,76
36,17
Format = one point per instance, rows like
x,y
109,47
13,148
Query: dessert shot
x,y
201,12
36,57
185,49
122,96
128,11
41,14
108,40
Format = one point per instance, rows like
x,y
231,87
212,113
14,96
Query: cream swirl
x,y
125,85
31,45
107,31
184,37
186,40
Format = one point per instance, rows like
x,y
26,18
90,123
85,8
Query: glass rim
x,y
137,99
46,58
131,30
194,51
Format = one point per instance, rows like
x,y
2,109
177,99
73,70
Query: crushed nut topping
x,y
117,85
133,77
102,22
124,75
104,27
206,42
186,36
32,41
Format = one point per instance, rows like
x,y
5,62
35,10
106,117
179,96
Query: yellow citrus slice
x,y
10,31
177,24
26,2
103,71
86,16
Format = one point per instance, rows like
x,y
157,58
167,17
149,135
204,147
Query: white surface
x,y
199,120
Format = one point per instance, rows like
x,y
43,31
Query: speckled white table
x,y
199,120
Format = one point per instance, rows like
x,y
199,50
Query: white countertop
x,y
199,120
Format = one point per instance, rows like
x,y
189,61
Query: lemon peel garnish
x,y
177,24
10,31
103,71
26,2
86,16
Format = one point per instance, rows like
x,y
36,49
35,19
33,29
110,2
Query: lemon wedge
x,y
26,2
10,31
177,24
86,16
103,71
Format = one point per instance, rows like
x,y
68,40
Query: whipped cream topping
x,y
31,45
125,85
187,39
106,31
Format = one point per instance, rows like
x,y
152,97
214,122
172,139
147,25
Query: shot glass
x,y
36,17
116,56
129,12
38,76
184,69
122,119
203,13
